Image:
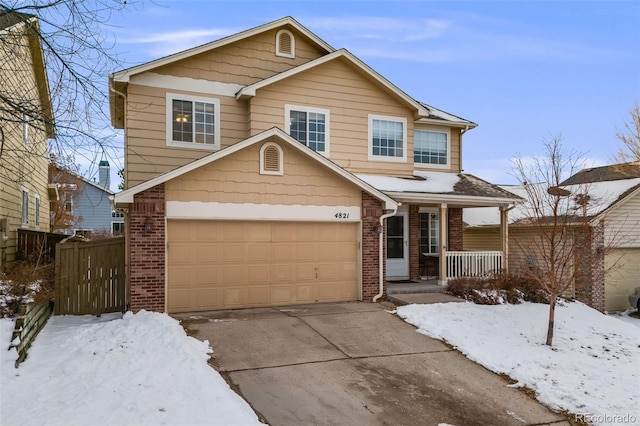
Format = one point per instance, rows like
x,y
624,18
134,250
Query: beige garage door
x,y
230,264
623,266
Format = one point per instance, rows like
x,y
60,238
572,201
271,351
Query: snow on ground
x,y
137,369
593,368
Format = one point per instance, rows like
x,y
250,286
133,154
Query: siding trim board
x,y
271,212
187,84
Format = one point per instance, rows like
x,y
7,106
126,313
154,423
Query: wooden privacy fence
x,y
31,320
36,242
90,277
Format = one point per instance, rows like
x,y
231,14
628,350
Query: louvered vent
x,y
271,159
285,43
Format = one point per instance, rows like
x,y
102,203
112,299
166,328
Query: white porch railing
x,y
473,263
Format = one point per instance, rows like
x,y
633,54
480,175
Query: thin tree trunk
x,y
552,314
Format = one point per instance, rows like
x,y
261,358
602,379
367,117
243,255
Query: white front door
x,y
398,245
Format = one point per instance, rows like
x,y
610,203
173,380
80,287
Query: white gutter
x,y
381,255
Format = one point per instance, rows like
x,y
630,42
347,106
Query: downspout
x,y
381,251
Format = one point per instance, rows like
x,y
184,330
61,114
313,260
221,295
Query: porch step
x,y
414,288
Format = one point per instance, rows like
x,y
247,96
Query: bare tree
x,y
78,53
630,137
558,241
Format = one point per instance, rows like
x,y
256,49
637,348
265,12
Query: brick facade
x,y
372,209
454,223
589,281
147,250
414,242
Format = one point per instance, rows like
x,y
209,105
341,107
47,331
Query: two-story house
x,y
85,204
268,168
26,123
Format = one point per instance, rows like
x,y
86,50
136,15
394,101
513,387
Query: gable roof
x,y
250,90
10,19
610,172
125,75
604,196
127,196
84,179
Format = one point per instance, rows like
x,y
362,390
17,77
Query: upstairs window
x,y
25,206
193,122
37,218
285,44
387,138
431,148
309,126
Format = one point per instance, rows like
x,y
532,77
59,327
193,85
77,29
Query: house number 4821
x,y
342,215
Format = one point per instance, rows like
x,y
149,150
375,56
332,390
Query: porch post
x,y
504,234
442,270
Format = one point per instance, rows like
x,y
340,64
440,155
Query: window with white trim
x,y
430,147
117,229
309,126
429,233
25,206
271,159
387,138
193,122
25,129
37,212
285,44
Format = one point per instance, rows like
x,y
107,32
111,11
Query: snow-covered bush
x,y
497,289
25,282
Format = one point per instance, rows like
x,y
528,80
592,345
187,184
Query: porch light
x,y
377,229
148,224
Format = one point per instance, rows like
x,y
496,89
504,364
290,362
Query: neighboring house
x,y
26,122
614,202
86,204
268,168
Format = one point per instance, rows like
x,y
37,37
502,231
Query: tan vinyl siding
x,y
147,153
244,62
236,179
23,166
623,224
350,98
622,268
480,239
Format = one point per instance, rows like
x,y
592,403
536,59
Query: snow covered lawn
x,y
137,369
592,370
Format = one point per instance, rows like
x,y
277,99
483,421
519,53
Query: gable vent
x,y
285,44
271,162
271,159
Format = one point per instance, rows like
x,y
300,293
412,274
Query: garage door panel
x,y
222,265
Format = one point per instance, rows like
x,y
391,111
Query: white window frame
x,y
37,212
429,165
327,127
280,170
293,44
120,223
170,97
372,157
24,206
432,233
25,129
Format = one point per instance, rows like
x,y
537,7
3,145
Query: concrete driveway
x,y
354,364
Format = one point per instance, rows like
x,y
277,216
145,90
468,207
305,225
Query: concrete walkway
x,y
354,364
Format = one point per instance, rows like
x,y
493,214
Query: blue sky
x,y
524,71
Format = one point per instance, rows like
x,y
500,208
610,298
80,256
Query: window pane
x,y
430,147
182,120
204,119
298,125
388,138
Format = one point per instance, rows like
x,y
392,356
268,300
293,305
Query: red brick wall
x,y
372,209
147,251
455,229
414,242
589,281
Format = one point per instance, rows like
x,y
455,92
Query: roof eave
x,y
463,200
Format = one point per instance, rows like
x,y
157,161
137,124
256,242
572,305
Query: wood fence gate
x,y
90,277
